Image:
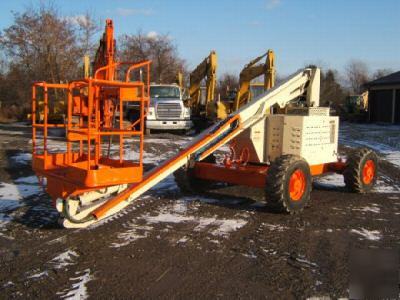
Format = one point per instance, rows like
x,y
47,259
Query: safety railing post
x,y
141,125
121,127
33,116
80,122
69,122
90,107
97,125
45,111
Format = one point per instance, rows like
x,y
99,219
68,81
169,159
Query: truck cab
x,y
167,110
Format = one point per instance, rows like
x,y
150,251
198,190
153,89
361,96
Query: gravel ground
x,y
221,244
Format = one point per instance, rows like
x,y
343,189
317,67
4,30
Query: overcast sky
x,y
324,32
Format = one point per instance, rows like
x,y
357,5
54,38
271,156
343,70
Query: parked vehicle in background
x,y
356,108
167,110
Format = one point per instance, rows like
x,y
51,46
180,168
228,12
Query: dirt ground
x,y
222,244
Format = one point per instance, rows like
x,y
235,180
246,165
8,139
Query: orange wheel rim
x,y
297,185
368,171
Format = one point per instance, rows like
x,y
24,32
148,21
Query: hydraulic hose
x,y
70,218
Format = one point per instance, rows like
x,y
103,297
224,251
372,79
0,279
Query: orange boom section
x,y
83,159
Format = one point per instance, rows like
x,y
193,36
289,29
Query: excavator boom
x,y
207,70
105,54
251,71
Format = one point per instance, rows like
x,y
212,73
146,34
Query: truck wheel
x,y
186,181
360,173
288,185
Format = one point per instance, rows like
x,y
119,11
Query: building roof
x,y
390,79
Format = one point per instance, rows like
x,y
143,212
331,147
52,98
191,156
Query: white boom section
x,y
304,83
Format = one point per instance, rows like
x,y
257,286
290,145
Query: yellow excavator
x,y
206,70
248,90
251,71
211,110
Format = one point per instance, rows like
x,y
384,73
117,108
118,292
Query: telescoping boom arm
x,y
305,84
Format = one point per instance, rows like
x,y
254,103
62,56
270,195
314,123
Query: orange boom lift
x,y
94,118
280,153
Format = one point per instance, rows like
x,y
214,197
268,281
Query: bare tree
x,y
357,74
42,45
88,27
227,82
381,73
159,48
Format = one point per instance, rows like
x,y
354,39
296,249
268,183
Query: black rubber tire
x,y
277,193
353,171
187,183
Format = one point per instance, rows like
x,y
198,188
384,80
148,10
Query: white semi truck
x,y
167,110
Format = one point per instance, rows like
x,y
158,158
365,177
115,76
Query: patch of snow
x,y
182,240
372,235
3,235
329,230
133,233
64,259
393,198
333,180
180,141
383,139
175,214
29,180
269,251
12,195
202,199
4,219
306,262
250,255
8,283
38,275
223,226
275,227
214,241
180,207
226,226
203,223
11,132
78,290
168,218
375,209
22,158
166,184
